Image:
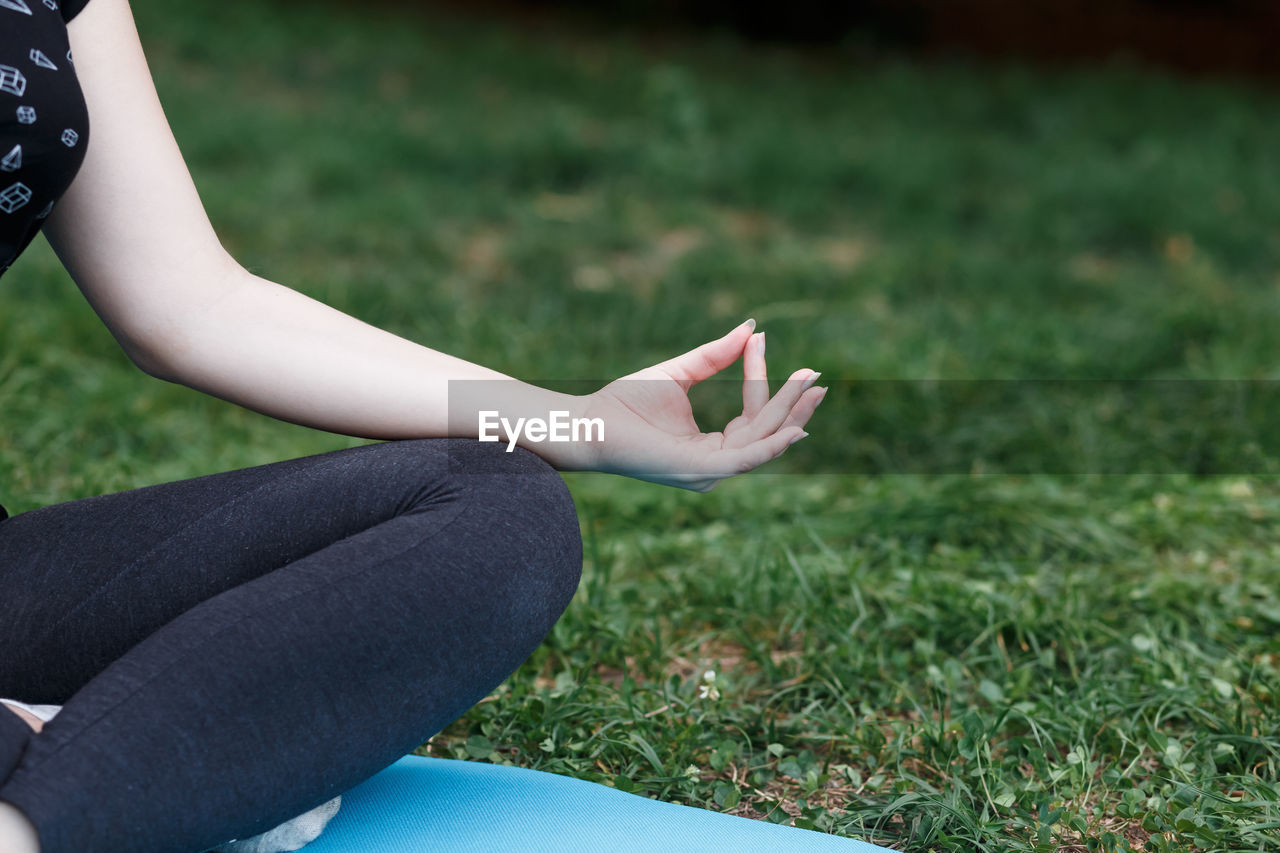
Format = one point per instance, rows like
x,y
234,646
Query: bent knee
x,y
528,518
513,509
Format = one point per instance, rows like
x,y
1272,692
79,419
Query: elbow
x,y
153,366
153,353
174,340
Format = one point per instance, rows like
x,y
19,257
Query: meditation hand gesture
x,y
650,432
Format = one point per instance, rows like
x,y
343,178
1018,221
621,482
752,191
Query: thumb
x,y
709,359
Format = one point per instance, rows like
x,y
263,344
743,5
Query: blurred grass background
x,y
936,663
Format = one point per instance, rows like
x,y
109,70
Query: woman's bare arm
x,y
134,235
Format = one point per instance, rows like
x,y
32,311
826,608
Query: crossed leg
x,y
234,650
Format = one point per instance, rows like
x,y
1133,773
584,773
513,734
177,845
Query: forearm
x,y
271,349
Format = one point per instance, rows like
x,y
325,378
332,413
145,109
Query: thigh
x,y
83,582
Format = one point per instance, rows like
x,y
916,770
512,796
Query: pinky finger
x,y
728,463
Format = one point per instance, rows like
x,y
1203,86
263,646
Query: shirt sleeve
x,y
71,8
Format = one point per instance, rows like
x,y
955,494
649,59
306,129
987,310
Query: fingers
x,y
767,425
755,381
790,400
709,359
804,409
727,463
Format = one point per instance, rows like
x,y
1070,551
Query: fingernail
x,y
751,324
802,434
762,343
822,394
808,383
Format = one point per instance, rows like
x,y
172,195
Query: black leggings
x,y
236,649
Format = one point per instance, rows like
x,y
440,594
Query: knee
x,y
528,517
513,528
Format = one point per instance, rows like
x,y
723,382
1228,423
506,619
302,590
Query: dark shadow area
x,y
1197,36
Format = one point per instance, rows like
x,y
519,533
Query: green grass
x,y
943,663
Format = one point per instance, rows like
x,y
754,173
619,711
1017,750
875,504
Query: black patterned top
x,y
43,121
44,125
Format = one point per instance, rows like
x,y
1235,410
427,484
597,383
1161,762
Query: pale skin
x,y
134,235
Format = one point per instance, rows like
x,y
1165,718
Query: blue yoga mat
x,y
435,804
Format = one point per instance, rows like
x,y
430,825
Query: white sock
x,y
285,838
290,835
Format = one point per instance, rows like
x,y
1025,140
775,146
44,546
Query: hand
x,y
650,432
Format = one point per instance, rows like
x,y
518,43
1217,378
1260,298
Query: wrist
x,y
571,436
554,425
